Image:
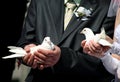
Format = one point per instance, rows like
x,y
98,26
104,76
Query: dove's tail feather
x,y
13,47
103,33
19,51
104,42
13,56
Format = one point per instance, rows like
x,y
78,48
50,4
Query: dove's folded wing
x,y
14,56
14,47
104,42
18,51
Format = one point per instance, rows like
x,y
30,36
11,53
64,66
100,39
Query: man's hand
x,y
29,58
47,58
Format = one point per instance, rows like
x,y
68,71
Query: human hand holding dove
x,y
20,52
99,38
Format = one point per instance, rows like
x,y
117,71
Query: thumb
x,y
83,43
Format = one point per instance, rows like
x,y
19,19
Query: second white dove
x,y
100,38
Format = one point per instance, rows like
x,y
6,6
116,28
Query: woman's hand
x,y
94,49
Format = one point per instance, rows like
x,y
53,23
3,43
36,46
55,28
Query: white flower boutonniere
x,y
83,13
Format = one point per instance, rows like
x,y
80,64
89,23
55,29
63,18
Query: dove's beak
x,y
81,32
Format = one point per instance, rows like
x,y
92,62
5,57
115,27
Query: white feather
x,y
14,47
20,52
13,56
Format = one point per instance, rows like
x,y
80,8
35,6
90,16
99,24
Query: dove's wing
x,y
18,51
97,37
13,56
104,42
13,47
100,38
102,33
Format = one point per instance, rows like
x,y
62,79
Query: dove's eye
x,y
84,29
45,39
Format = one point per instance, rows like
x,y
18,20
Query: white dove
x,y
20,52
100,38
46,44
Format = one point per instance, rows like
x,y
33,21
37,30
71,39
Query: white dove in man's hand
x,y
100,38
20,52
46,44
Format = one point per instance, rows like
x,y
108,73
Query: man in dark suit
x,y
11,16
67,62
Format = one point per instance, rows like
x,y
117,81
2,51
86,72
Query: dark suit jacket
x,y
46,18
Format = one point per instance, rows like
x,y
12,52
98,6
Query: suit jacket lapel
x,y
73,24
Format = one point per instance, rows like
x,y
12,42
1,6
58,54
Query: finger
x,y
35,64
41,67
91,47
106,48
83,43
27,48
39,60
40,55
55,53
94,47
50,53
97,54
25,58
30,60
86,48
47,53
50,61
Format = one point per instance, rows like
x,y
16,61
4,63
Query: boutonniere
x,y
83,13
